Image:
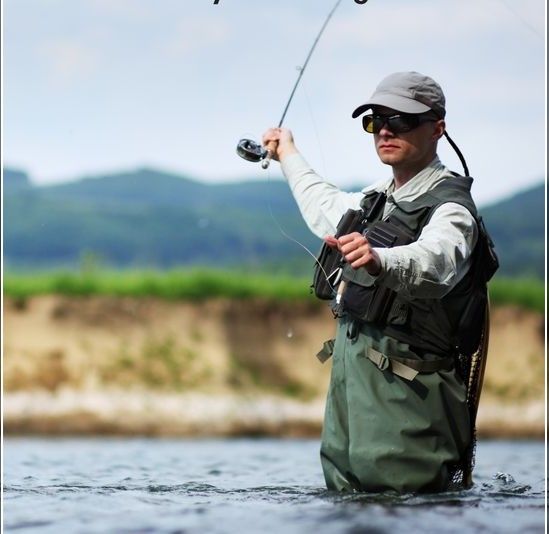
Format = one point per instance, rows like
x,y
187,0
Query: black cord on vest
x,y
458,152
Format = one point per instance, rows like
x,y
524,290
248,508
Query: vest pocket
x,y
369,304
399,312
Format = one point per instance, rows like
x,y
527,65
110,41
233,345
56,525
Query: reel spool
x,y
254,152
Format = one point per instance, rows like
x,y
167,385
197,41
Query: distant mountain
x,y
153,219
517,226
15,180
149,218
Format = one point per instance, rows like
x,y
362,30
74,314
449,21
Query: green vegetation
x,y
518,230
527,293
160,363
200,284
156,220
191,284
151,220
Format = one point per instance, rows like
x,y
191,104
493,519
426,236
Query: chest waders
x,y
407,372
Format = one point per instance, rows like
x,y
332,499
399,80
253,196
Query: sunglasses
x,y
398,123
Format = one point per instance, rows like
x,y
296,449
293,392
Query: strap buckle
x,y
384,362
325,353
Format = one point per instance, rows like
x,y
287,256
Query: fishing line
x,y
269,203
521,18
293,239
255,152
315,128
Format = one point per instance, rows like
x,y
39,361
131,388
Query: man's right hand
x,y
280,141
357,251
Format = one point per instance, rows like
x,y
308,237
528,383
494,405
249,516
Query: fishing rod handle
x,y
271,150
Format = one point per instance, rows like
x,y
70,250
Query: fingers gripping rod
x,y
253,151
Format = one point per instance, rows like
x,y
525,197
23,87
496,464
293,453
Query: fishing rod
x,y
251,150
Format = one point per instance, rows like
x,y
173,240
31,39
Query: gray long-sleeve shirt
x,y
428,268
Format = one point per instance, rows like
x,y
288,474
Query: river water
x,y
247,485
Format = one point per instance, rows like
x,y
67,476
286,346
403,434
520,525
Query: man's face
x,y
412,149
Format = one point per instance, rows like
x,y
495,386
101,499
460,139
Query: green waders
x,y
385,432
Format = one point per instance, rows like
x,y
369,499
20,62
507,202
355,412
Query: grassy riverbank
x,y
200,284
187,284
157,366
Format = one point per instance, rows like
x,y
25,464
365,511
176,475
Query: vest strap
x,y
408,368
327,350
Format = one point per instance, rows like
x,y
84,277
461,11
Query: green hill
x,y
149,218
518,229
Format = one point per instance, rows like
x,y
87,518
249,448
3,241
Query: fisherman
x,y
396,413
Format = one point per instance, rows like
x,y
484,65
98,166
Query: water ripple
x,y
191,493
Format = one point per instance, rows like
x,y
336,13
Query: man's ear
x,y
440,127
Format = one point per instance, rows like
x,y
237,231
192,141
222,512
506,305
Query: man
x,y
396,414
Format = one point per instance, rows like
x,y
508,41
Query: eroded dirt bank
x,y
218,367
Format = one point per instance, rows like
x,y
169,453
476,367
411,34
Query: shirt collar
x,y
422,182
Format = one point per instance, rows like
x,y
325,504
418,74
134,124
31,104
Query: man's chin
x,y
389,159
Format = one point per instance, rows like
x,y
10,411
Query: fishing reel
x,y
254,152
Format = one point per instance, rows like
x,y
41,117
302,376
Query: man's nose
x,y
385,131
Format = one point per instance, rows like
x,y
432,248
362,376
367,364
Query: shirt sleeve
x,y
321,203
431,266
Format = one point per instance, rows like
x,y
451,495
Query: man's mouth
x,y
387,146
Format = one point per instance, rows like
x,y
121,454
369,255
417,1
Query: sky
x,y
101,86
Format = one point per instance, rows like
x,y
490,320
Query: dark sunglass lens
x,y
373,123
378,122
402,123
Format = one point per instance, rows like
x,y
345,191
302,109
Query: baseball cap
x,y
409,92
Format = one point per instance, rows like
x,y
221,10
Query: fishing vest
x,y
441,326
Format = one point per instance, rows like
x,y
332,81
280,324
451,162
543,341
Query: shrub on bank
x,y
176,284
527,293
199,284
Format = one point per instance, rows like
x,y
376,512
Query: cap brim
x,y
398,103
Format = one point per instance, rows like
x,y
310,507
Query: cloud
x,y
125,9
196,33
69,61
394,24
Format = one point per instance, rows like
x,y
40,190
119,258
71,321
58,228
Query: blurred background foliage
x,y
147,219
